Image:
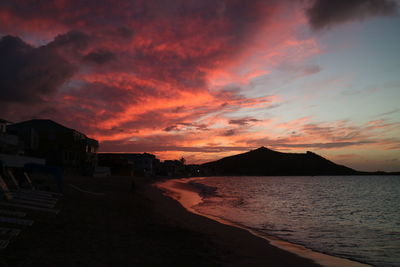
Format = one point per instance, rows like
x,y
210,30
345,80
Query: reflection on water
x,y
355,217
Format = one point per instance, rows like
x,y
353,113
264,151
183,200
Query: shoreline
x,y
240,248
188,197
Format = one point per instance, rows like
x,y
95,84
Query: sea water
x,y
354,217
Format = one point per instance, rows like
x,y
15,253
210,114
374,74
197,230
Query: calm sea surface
x,y
354,217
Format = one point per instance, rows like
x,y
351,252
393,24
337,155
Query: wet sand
x,y
104,223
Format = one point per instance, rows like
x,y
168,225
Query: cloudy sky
x,y
211,78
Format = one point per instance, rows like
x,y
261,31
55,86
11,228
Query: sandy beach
x,y
104,223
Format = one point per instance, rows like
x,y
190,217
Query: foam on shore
x,y
188,196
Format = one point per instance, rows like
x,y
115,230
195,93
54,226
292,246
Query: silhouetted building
x,y
117,163
57,144
8,142
144,164
3,125
173,168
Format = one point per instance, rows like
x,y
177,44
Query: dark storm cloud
x,y
158,40
74,40
28,73
325,13
124,32
127,53
100,56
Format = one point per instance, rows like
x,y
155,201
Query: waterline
x,y
188,196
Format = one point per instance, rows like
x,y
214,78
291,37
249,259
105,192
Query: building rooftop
x,y
4,121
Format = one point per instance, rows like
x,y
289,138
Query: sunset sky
x,y
210,78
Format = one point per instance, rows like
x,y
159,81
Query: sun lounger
x,y
34,197
9,231
27,195
13,213
20,191
10,197
39,200
29,207
29,181
16,221
32,190
10,201
30,202
4,244
54,171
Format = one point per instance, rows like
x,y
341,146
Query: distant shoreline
x,y
187,196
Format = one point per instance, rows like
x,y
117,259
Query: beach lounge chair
x,y
30,201
15,198
29,207
54,171
17,190
4,244
19,221
32,190
10,201
9,231
27,196
19,214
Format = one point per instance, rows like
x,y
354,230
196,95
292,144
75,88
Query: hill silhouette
x,y
265,162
